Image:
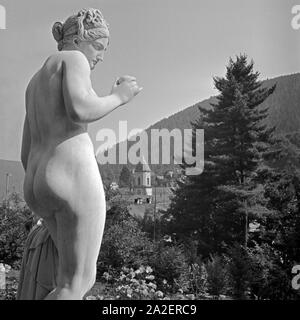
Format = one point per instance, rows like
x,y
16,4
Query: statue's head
x,y
86,31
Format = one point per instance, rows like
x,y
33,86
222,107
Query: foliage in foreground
x,y
15,222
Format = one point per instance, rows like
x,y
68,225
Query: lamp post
x,y
8,175
154,214
246,223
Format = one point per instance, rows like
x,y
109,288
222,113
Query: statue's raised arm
x,y
82,104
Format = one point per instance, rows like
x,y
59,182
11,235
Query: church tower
x,y
142,179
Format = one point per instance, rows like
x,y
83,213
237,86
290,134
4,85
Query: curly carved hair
x,y
87,24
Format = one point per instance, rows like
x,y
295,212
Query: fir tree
x,y
214,206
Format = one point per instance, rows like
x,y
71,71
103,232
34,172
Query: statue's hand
x,y
123,78
126,88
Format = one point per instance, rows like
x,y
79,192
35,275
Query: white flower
x,y
142,269
148,269
159,294
132,273
106,275
145,292
153,285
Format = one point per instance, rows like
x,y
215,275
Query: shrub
x,y
169,263
261,265
16,220
133,284
130,284
194,279
239,269
270,276
124,244
147,222
217,277
11,287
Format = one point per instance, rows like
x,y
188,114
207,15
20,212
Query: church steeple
x,y
142,176
142,166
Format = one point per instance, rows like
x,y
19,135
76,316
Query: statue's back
x,y
48,120
60,148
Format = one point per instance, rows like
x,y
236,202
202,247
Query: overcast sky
x,y
173,47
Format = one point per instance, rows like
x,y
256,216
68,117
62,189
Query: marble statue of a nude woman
x,y
62,181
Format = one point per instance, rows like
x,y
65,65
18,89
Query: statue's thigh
x,y
79,236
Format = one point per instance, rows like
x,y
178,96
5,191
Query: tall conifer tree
x,y
211,207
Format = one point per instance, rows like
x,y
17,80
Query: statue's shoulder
x,y
72,54
64,56
75,58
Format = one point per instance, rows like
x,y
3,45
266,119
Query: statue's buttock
x,y
62,175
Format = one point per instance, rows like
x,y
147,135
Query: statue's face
x,y
93,50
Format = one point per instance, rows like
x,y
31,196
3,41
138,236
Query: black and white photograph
x,y
150,150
